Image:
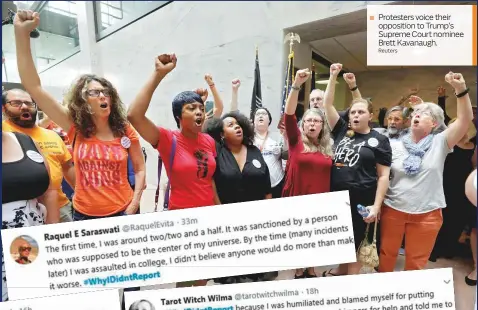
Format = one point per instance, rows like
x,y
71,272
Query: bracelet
x,y
295,87
462,93
354,89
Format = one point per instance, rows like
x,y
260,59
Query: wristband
x,y
354,89
462,93
295,87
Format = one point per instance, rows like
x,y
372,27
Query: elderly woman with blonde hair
x,y
414,201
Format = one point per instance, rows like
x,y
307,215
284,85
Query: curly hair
x,y
324,144
80,110
215,127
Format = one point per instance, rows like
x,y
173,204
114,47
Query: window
x,y
111,16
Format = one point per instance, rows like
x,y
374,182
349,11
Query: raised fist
x,y
301,76
26,20
236,83
350,79
456,80
414,100
441,91
202,92
208,79
165,63
335,69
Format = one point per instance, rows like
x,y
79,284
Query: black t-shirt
x,y
232,185
355,158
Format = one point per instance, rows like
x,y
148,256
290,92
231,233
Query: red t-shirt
x,y
307,173
193,168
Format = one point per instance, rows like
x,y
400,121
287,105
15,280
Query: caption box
x,y
183,245
99,300
421,35
408,290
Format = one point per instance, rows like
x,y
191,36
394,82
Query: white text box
x,y
183,245
407,290
420,35
98,300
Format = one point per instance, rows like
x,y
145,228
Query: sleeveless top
x,y
23,181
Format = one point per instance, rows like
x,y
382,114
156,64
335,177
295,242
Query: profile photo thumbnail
x,y
24,250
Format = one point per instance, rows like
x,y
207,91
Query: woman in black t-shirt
x,y
361,164
241,173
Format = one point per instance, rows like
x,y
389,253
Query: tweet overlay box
x,y
182,245
408,290
421,35
98,300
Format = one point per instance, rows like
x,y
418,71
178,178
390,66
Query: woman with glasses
x,y
414,201
26,193
102,139
310,152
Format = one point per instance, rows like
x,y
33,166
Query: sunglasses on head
x,y
25,249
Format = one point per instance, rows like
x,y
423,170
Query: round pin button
x,y
373,142
35,156
125,142
256,163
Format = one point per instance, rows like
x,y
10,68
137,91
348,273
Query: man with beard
x,y
21,114
396,123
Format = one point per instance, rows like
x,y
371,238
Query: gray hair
x,y
395,109
437,113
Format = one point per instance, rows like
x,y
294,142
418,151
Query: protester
x,y
21,116
415,198
361,163
27,199
97,126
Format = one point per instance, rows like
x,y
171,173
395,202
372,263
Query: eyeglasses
x,y
97,92
19,103
425,113
25,249
313,121
261,113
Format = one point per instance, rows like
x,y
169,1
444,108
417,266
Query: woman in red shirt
x,y
310,152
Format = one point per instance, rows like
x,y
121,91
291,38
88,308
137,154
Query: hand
x,y
236,83
414,100
131,209
350,79
26,20
441,91
202,92
208,79
301,76
457,81
413,91
165,63
335,69
373,215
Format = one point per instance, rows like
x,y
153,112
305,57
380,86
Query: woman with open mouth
x,y
414,202
361,164
242,174
102,139
310,153
188,154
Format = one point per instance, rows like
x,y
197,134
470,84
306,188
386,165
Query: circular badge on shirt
x,y
373,142
125,142
35,156
256,163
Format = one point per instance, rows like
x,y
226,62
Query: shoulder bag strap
x,y
171,161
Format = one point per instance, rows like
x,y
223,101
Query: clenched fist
x,y
26,20
350,79
202,92
236,83
441,91
335,69
208,79
301,76
165,63
456,80
414,100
